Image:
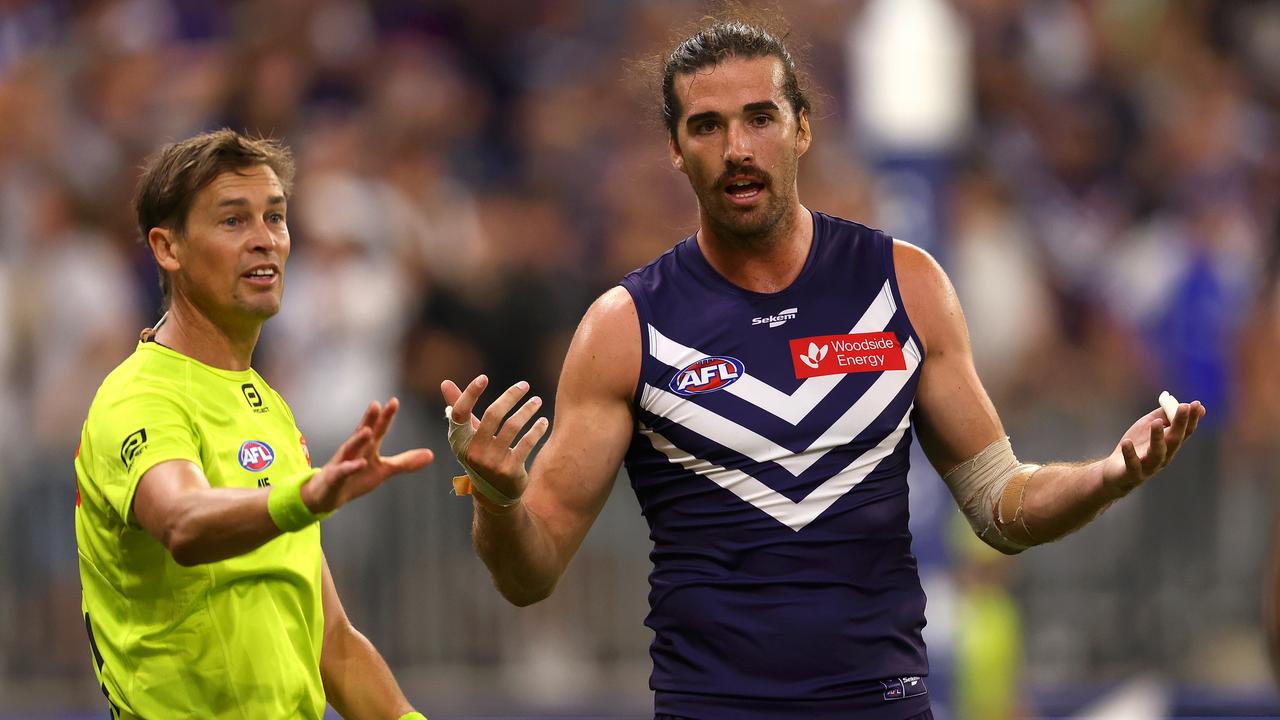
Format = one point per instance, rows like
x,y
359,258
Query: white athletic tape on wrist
x,y
460,435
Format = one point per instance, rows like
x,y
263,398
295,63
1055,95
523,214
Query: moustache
x,y
738,173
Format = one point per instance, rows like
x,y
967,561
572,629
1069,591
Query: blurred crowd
x,y
472,173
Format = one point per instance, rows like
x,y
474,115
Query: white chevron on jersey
x,y
744,441
795,515
793,407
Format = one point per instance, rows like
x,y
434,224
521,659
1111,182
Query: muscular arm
x,y
357,682
528,546
957,419
200,524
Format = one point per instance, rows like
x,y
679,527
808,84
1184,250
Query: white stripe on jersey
x,y
793,407
745,441
795,515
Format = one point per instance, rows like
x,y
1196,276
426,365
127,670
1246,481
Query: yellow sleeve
x,y
134,433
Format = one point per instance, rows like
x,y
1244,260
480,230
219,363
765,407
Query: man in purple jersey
x,y
761,381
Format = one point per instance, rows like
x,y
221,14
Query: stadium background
x,y
1099,178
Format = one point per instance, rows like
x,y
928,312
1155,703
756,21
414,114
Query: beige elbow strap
x,y
989,488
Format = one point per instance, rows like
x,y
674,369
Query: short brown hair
x,y
173,176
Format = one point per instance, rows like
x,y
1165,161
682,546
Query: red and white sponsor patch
x,y
840,354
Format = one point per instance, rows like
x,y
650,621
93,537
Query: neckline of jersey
x,y
220,372
703,270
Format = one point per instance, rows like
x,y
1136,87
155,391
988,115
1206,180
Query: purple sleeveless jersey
x,y
770,460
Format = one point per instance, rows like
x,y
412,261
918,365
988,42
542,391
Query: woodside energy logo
x,y
841,354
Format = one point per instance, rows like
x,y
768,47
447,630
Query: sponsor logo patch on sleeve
x,y
132,446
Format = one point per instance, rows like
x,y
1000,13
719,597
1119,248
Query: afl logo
x,y
256,456
707,375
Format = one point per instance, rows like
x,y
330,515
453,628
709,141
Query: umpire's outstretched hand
x,y
357,467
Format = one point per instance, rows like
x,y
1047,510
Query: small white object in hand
x,y
1170,405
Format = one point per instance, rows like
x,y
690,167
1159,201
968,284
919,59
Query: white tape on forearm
x,y
978,485
460,435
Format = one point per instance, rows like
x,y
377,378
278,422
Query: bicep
x,y
575,471
160,492
955,417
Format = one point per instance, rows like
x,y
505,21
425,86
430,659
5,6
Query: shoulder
x,y
927,293
611,325
605,353
648,276
914,264
142,377
137,407
141,395
842,241
614,304
840,228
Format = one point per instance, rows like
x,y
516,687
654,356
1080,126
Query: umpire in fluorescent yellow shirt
x,y
206,593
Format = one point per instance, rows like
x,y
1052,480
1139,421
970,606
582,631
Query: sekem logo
x,y
706,375
776,320
256,456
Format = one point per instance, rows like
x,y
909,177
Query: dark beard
x,y
762,227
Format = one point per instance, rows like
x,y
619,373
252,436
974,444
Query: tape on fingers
x,y
460,435
1169,404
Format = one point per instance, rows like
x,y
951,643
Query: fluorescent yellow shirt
x,y
239,638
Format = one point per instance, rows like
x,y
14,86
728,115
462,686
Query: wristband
x,y
285,505
415,715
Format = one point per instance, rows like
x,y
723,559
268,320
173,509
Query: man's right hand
x,y
489,451
357,468
560,496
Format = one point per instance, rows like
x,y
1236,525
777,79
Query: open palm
x,y
358,467
1148,446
